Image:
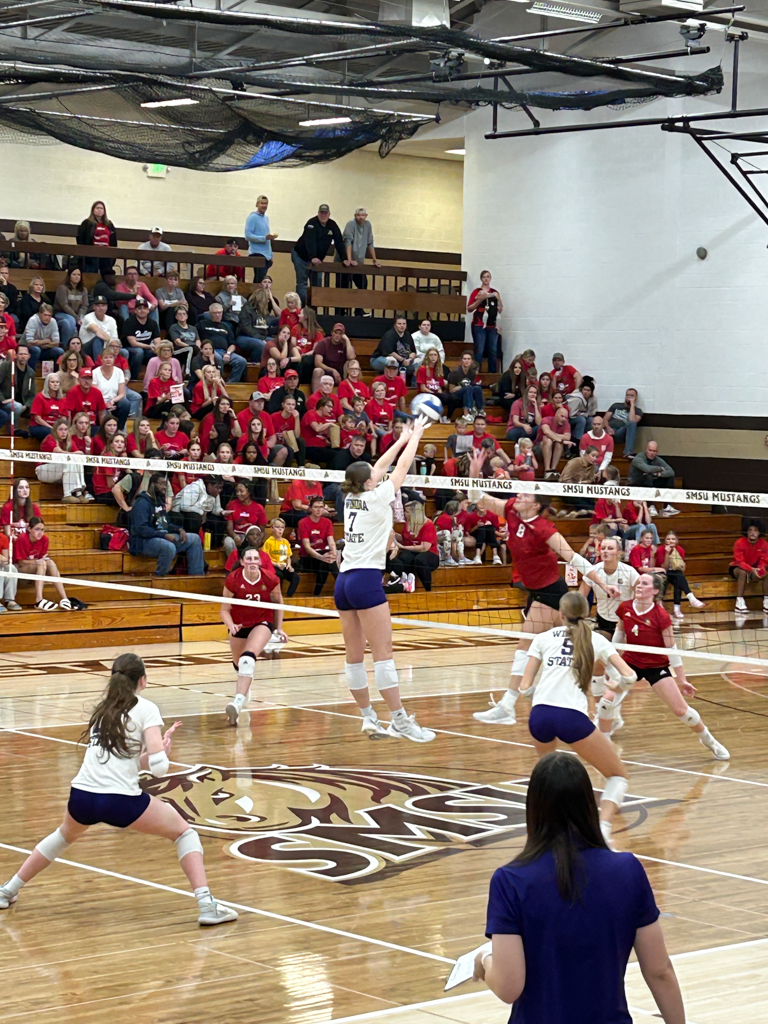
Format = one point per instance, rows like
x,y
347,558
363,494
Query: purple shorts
x,y
547,722
359,589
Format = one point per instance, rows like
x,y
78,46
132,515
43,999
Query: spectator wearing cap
x,y
132,287
332,355
214,328
141,334
169,298
152,268
231,248
85,397
396,387
259,237
565,378
358,243
97,329
398,344
290,389
320,234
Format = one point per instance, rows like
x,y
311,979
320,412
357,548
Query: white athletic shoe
x,y
212,913
478,559
373,728
741,604
502,713
410,730
466,561
450,563
694,602
677,612
718,750
232,711
497,560
765,604
670,510
652,510
7,898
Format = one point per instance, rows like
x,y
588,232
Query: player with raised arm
x,y
624,577
558,670
644,622
359,593
535,547
124,737
250,627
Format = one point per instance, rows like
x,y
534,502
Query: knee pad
x,y
357,675
519,662
53,845
188,842
597,686
615,789
606,709
158,764
691,717
385,674
246,665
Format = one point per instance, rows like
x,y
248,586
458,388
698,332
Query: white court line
x,y
242,906
706,871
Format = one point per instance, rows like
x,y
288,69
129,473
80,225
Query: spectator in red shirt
x,y
318,547
417,546
111,484
241,513
565,378
525,415
286,426
289,314
18,511
394,383
554,435
430,378
48,406
331,356
598,437
750,562
479,435
379,410
230,249
171,439
85,397
352,385
271,380
321,432
525,464
643,555
30,555
326,391
295,504
7,339
283,350
306,334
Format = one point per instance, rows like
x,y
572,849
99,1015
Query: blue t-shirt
x,y
575,953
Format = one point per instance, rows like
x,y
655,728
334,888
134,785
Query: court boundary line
x,y
272,915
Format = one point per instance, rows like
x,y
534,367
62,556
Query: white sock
x,y
706,737
399,715
510,698
239,699
203,894
13,885
368,712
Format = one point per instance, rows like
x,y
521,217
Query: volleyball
x,y
427,405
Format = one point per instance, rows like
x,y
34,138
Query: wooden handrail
x,y
135,255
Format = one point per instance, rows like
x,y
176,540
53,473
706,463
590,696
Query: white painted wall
x,y
592,241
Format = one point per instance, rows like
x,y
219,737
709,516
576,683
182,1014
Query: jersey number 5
x,y
567,648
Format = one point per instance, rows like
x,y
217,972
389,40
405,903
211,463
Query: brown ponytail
x,y
356,477
109,716
575,609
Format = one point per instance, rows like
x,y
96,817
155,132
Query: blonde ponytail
x,y
575,609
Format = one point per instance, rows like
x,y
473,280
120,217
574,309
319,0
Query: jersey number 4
x,y
635,631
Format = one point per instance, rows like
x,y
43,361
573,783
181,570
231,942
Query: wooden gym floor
x,y
361,868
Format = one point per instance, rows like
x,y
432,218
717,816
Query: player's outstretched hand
x,y
476,461
168,737
687,689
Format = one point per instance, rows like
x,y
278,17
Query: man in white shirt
x,y
199,503
97,329
110,380
151,268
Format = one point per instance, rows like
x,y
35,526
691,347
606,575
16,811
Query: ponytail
x,y
356,477
574,609
108,720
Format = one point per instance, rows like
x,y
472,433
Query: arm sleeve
x,y
503,916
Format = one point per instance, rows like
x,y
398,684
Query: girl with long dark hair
x,y
124,737
564,916
97,229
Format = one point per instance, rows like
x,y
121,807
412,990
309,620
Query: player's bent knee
x,y
385,674
615,789
597,686
53,845
188,842
246,666
606,709
357,676
691,717
519,662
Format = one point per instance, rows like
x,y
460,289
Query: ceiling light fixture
x,y
325,120
182,102
567,11
456,152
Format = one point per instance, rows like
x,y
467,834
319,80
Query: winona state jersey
x,y
644,630
556,682
239,587
533,558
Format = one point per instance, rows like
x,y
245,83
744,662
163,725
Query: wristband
x,y
675,661
580,563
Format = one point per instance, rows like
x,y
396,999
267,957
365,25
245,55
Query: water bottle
x,y
423,469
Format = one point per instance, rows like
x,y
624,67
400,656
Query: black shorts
x,y
549,595
652,675
245,631
116,809
605,625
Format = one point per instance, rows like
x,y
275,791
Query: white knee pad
x,y
53,845
188,842
385,674
246,665
691,717
597,686
615,789
606,709
519,662
357,675
159,764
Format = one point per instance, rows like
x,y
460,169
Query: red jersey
x,y
281,423
528,473
427,533
239,587
309,421
396,388
749,556
159,390
289,317
315,398
426,378
304,344
349,389
105,477
646,630
477,518
317,533
93,403
603,444
49,409
24,548
135,448
444,521
245,516
82,444
641,557
301,490
245,416
534,559
177,443
564,379
20,524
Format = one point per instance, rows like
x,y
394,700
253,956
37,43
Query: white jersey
x,y
367,526
625,578
556,682
103,772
